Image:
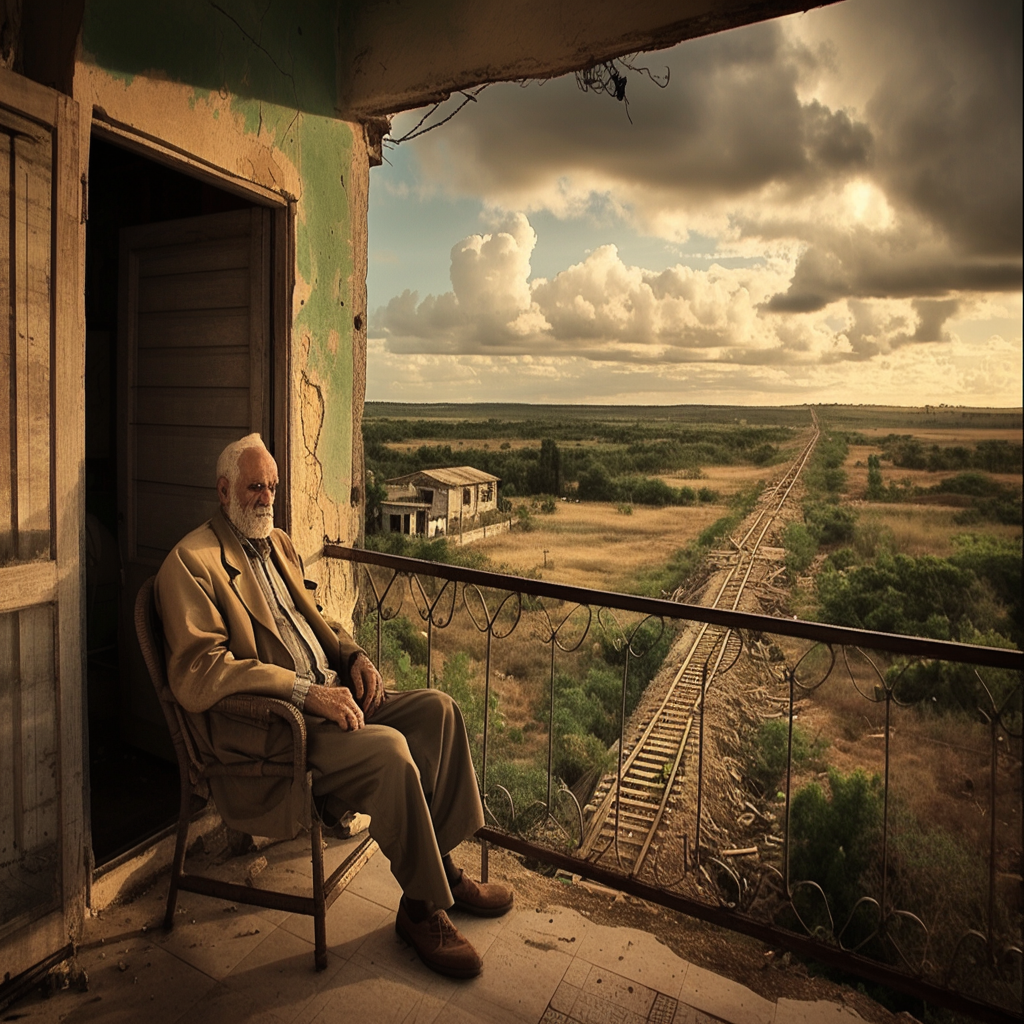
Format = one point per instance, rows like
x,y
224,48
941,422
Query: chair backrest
x,y
150,632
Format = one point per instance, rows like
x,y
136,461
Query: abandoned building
x,y
184,247
438,502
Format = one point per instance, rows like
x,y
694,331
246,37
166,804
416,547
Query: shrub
x,y
801,547
526,784
595,484
998,563
944,686
400,639
767,756
925,596
830,524
841,559
654,642
525,518
575,754
832,840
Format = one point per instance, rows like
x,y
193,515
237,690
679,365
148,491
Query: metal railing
x,y
887,846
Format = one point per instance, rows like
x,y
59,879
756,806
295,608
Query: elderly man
x,y
239,617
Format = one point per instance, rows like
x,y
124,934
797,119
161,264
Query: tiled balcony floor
x,y
223,963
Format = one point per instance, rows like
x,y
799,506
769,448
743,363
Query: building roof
x,y
453,476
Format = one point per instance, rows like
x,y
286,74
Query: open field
x,y
727,480
946,436
592,544
899,419
921,529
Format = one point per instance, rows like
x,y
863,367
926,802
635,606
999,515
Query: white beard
x,y
255,522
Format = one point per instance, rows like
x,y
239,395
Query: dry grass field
x,y
592,544
927,524
919,529
727,480
944,436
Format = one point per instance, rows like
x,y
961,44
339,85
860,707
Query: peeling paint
x,y
249,85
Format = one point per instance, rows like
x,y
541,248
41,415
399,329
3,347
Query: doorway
x,y
179,324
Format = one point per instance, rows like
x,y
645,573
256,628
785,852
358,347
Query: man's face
x,y
248,500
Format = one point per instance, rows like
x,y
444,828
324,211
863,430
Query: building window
x,y
467,496
487,493
395,524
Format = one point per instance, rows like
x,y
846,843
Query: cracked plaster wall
x,y
249,88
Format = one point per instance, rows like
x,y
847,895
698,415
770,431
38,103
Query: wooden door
x,y
42,442
193,367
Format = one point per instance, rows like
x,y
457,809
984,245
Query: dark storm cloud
x,y
863,264
730,122
948,119
945,118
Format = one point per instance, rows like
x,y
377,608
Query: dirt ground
x,y
593,544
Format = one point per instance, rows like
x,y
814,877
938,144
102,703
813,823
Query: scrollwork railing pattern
x,y
656,801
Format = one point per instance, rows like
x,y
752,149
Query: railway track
x,y
630,805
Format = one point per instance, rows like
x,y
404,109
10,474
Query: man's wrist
x,y
300,688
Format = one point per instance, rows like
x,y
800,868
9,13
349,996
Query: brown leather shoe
x,y
439,944
485,899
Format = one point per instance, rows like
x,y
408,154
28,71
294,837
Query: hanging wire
x,y
610,78
424,124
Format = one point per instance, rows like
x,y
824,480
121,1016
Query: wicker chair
x,y
194,773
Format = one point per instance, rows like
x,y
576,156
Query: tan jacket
x,y
220,639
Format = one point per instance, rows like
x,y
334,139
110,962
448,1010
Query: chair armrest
x,y
262,710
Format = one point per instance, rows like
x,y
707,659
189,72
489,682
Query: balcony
x,y
853,798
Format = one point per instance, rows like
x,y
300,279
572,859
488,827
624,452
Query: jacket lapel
x,y
243,582
304,603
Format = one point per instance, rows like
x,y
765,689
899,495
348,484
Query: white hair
x,y
227,461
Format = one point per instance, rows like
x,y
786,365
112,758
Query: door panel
x,y
42,889
193,349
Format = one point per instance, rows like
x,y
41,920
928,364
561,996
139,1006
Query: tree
x,y
375,494
876,489
547,475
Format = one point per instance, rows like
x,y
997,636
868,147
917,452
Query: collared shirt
x,y
311,666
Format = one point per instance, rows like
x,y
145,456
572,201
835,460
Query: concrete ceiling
x,y
399,54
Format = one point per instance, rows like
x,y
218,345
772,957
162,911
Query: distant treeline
x,y
721,437
848,417
908,452
793,415
617,468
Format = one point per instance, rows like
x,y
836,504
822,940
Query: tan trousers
x,y
411,770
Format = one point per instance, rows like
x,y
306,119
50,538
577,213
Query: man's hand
x,y
367,684
336,704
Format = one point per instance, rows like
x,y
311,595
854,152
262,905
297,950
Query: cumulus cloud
x,y
605,310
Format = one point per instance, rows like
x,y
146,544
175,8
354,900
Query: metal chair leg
x,y
319,899
178,864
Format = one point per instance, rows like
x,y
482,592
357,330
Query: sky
x,y
820,208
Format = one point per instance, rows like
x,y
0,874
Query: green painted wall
x,y
275,65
